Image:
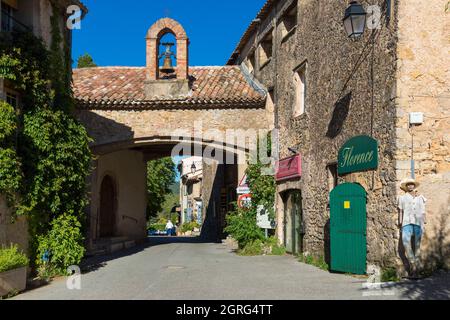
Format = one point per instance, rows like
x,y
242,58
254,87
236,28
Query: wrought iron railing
x,y
130,218
10,24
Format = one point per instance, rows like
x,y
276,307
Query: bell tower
x,y
167,82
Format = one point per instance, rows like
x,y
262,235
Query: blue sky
x,y
114,31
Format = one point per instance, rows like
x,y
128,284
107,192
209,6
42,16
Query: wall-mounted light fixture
x,y
355,20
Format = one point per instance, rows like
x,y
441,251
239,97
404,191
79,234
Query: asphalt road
x,y
186,269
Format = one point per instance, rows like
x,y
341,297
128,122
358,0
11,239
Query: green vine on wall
x,y
10,165
45,156
60,62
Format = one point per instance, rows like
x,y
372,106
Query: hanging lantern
x,y
355,20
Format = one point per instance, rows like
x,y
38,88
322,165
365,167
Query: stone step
x,y
110,245
111,240
114,247
129,244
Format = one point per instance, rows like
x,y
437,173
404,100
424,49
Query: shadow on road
x,y
94,263
436,287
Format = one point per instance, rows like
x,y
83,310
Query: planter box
x,y
13,281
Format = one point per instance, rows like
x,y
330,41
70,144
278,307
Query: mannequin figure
x,y
412,219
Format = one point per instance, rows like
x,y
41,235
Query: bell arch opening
x,y
154,36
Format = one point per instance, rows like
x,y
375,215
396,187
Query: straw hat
x,y
405,182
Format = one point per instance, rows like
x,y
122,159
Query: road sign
x,y
262,219
243,187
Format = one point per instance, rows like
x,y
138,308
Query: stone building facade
x,y
32,16
191,188
319,84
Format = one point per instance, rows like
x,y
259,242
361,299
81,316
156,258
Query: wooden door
x,y
348,228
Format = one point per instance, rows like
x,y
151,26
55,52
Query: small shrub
x,y
254,248
162,221
11,258
318,262
241,225
278,250
268,246
274,248
389,275
157,227
63,245
189,226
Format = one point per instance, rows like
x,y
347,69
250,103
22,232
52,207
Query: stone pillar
x,y
182,58
152,59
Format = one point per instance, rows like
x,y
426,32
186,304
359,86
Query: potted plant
x,y
13,270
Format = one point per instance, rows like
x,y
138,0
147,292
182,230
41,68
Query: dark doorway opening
x,y
293,225
107,207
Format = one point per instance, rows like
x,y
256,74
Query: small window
x,y
288,21
332,176
12,99
7,17
190,189
265,50
300,91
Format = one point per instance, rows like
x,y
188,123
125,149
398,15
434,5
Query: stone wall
x,y
211,184
423,86
338,107
12,232
128,170
122,125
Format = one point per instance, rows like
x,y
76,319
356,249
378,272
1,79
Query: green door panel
x,y
348,228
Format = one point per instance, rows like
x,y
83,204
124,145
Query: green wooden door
x,y
348,228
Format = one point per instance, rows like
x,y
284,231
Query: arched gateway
x,y
135,114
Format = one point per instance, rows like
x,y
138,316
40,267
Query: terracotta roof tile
x,y
124,87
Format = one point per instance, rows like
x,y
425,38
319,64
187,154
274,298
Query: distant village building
x,y
320,89
191,171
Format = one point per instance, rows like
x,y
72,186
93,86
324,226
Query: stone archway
x,y
108,207
134,116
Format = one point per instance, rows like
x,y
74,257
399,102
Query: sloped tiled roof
x,y
123,87
262,14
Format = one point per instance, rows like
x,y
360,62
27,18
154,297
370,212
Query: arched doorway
x,y
107,207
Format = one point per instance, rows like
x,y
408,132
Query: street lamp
x,y
355,20
193,168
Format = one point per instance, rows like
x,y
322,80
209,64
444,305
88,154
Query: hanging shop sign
x,y
358,154
289,168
